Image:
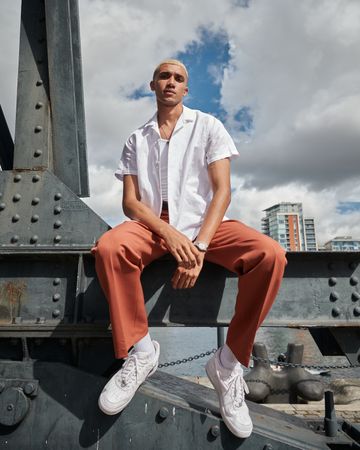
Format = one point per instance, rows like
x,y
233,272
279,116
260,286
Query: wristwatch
x,y
201,246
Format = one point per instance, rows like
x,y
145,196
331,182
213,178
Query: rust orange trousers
x,y
122,253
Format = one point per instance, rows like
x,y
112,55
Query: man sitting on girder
x,y
176,177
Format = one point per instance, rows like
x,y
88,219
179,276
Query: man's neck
x,y
169,114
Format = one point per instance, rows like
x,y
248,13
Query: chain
x,y
264,360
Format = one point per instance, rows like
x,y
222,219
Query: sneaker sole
x,y
244,434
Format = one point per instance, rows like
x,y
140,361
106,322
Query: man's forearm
x,y
214,215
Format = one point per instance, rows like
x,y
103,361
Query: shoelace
x,y
238,389
128,373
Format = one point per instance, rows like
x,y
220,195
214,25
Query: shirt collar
x,y
188,115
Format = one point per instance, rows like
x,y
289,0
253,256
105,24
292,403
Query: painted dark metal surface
x,y
167,412
6,144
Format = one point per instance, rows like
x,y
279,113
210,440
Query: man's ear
x,y
152,87
186,91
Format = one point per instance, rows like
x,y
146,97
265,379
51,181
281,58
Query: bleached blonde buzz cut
x,y
176,62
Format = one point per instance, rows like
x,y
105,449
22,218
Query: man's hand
x,y
184,278
183,250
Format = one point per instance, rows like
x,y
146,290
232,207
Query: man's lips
x,y
169,91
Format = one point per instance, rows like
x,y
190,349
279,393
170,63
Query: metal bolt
x,y
39,105
334,296
57,224
332,281
15,218
57,238
357,311
14,238
2,206
56,313
29,388
39,83
355,296
56,281
16,197
215,430
37,153
354,281
10,407
57,210
56,297
34,218
58,196
335,312
163,412
17,178
34,239
35,201
36,178
38,129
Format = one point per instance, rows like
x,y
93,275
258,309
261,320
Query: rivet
x,y
57,224
268,447
16,197
58,196
29,388
34,218
39,83
40,320
56,313
36,178
57,210
56,297
335,312
17,178
332,281
57,238
10,407
355,296
2,206
34,239
37,153
35,201
334,296
163,412
331,265
56,281
354,281
14,238
38,129
15,218
39,105
215,430
357,311
353,265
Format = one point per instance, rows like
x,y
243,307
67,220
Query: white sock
x,y
227,358
145,345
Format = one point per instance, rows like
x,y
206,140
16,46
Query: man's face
x,y
170,84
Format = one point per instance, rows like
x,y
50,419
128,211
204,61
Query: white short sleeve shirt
x,y
197,140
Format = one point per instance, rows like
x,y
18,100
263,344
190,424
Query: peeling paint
x,y
12,295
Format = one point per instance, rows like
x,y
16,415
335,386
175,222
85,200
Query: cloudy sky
x,y
283,75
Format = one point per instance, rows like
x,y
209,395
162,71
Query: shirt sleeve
x,y
220,144
127,164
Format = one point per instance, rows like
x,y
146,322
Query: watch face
x,y
201,246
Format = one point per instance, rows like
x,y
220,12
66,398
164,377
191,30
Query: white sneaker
x,y
122,387
230,387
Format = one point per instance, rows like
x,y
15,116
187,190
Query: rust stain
x,y
11,295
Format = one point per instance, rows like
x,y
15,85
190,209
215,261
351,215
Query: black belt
x,y
165,206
